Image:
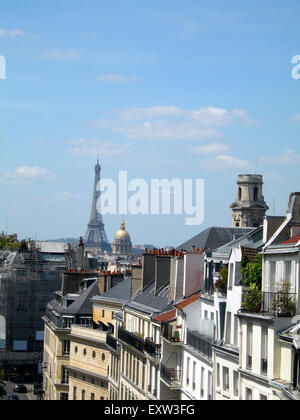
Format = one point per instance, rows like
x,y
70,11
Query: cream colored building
x,y
89,364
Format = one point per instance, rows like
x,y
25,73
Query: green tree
x,y
252,271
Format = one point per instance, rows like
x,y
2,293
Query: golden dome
x,y
122,233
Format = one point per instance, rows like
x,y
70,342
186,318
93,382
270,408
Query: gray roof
x,y
252,239
120,293
82,303
214,237
147,302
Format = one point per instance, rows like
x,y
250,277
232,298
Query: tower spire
x,y
95,237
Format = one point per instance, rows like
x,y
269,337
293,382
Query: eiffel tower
x,y
95,238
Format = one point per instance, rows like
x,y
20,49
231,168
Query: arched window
x,y
240,194
255,194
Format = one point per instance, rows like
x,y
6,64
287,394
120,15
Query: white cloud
x,y
285,158
115,78
92,147
213,148
171,122
25,174
225,162
10,33
159,129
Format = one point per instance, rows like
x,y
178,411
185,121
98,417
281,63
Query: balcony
x,y
200,343
171,375
112,342
131,339
171,333
152,349
278,304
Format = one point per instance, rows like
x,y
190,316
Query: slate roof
x,y
213,237
82,303
147,302
120,293
252,239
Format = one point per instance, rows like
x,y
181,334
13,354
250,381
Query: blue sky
x,y
162,89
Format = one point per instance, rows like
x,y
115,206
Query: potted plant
x,y
283,303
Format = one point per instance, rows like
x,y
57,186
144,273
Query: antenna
x,y
273,206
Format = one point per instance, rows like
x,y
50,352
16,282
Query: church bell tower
x,y
249,208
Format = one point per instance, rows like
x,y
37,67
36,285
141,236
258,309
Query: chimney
x,y
162,271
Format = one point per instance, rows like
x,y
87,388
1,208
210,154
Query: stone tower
x,y
95,238
249,208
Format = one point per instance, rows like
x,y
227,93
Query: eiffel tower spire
x,y
95,237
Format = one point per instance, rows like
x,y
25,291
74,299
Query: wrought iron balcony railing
x,y
199,343
131,339
171,375
277,304
154,350
112,342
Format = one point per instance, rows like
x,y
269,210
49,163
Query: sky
x,y
158,88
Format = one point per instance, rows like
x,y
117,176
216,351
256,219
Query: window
x,y
66,347
68,322
202,381
92,396
103,357
103,313
235,383
94,354
249,346
84,352
194,376
188,371
65,375
218,374
239,194
76,349
83,394
209,386
263,397
255,194
264,350
64,396
225,379
248,394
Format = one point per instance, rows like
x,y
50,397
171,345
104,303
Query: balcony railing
x,y
170,332
131,339
171,375
199,343
112,342
272,303
154,350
